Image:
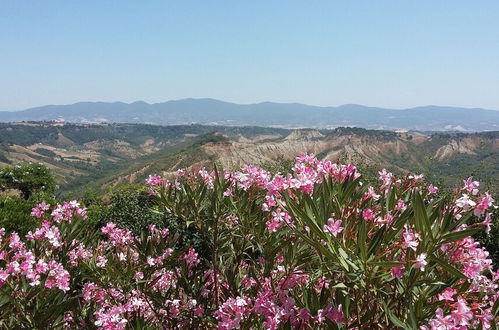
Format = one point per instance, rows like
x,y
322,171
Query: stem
x,y
215,260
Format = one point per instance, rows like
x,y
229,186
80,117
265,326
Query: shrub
x,y
29,178
46,152
131,207
312,249
15,212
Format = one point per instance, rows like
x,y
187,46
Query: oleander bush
x,y
313,249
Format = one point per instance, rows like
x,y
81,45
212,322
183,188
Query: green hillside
x,y
102,156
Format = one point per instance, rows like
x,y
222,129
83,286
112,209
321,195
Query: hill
x,y
288,115
101,156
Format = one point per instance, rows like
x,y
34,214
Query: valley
x,y
101,156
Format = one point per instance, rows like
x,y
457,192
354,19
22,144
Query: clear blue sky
x,y
397,53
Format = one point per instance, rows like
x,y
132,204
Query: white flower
x,y
421,261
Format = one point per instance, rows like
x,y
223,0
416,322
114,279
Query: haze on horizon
x,y
389,54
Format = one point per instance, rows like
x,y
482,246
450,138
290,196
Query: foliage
x,y
4,158
45,152
130,207
15,212
184,143
278,166
29,178
363,132
312,249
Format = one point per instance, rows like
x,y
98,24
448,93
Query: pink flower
x,y
321,283
279,218
471,186
154,181
386,177
207,177
484,203
486,317
421,262
370,193
333,227
368,214
400,206
335,314
307,177
230,314
39,210
461,314
101,262
441,322
116,235
398,271
15,242
191,258
432,189
410,239
297,278
447,294
486,222
465,203
57,276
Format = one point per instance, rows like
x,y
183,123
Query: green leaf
x,y
387,264
376,241
361,240
390,201
457,235
394,319
451,269
347,259
422,220
339,285
495,308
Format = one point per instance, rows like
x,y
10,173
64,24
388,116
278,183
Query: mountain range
x,y
267,114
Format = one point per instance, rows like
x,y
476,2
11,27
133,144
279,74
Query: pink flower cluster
x,y
267,264
22,263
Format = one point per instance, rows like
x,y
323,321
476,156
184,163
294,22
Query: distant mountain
x,y
286,115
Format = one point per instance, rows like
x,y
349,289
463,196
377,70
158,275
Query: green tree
x,y
132,208
29,178
15,212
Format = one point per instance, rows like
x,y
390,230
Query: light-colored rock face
x,y
454,147
361,150
308,135
468,145
349,148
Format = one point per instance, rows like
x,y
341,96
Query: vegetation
x,y
97,156
131,207
45,152
28,178
318,248
15,212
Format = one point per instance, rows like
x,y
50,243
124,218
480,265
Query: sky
x,y
395,54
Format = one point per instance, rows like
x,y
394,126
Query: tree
x,y
28,178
